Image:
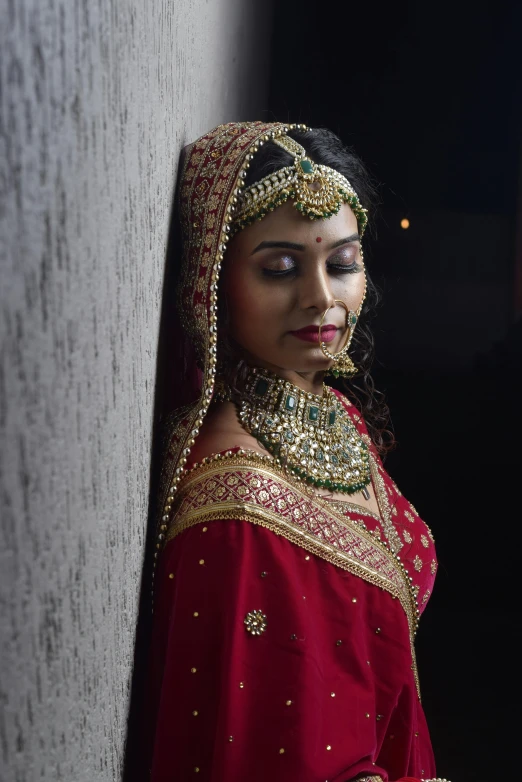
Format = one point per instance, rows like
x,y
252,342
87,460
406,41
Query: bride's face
x,y
280,275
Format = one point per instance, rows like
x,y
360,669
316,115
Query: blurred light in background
x,y
405,223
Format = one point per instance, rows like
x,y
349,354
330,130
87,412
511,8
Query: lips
x,y
311,333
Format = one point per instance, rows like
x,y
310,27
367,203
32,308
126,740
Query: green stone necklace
x,y
313,436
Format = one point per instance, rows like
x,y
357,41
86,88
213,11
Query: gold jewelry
x,y
343,364
312,436
317,191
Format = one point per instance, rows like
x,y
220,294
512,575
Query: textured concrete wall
x,y
96,100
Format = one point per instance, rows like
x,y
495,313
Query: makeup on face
x,y
311,333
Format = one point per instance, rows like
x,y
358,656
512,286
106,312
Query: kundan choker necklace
x,y
311,435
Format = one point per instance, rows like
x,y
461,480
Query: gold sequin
x,y
417,563
424,540
201,561
171,575
281,751
193,670
205,529
289,703
195,713
196,769
332,695
328,747
241,685
231,738
195,613
354,599
307,557
367,715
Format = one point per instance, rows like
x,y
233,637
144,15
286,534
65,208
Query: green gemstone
x,y
306,166
313,413
331,418
319,456
290,402
353,320
261,387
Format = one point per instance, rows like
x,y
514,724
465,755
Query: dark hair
x,y
325,148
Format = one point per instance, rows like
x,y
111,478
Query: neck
x,y
311,382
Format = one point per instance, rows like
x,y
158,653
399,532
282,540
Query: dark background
x,y
430,96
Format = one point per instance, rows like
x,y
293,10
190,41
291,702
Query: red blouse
x,y
327,691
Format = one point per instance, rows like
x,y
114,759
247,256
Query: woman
x,y
290,571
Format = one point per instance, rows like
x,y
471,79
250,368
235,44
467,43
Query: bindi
x,y
319,239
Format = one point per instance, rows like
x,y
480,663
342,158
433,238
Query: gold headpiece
x,y
317,191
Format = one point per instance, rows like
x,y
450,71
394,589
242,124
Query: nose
x,y
315,289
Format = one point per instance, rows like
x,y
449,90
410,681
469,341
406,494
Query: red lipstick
x,y
311,333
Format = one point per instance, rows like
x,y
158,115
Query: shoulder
x,y
221,431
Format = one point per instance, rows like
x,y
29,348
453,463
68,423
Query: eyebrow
x,y
301,247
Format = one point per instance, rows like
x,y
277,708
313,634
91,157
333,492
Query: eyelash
x,y
339,269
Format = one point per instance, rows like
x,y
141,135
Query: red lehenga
x,y
327,690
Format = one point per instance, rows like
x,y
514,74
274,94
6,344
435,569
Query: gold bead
x,y
171,575
367,715
241,685
201,561
231,738
194,713
193,670
196,613
289,703
354,599
205,529
281,751
377,631
332,695
328,747
196,769
307,557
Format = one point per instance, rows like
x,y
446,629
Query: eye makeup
x,y
343,261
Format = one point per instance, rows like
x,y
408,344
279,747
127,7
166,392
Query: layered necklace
x,y
312,436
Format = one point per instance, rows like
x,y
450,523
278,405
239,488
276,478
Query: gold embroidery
x,y
417,563
425,542
205,494
383,502
433,567
407,537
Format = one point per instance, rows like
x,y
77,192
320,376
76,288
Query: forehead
x,y
286,223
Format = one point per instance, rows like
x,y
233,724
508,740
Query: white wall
x,y
97,99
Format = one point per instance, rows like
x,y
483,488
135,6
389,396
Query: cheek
x,y
352,290
250,304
